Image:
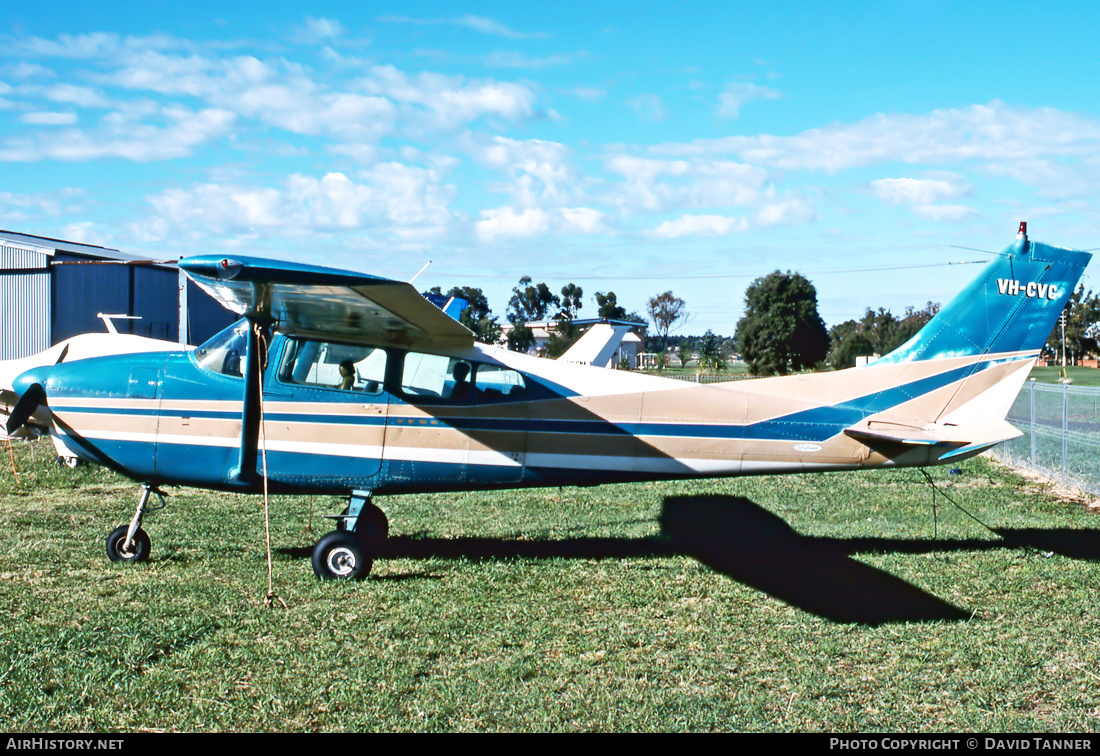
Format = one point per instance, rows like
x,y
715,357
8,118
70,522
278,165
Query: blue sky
x,y
633,147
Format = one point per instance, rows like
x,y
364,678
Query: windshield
x,y
224,353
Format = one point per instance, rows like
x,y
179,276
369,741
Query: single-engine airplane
x,y
358,386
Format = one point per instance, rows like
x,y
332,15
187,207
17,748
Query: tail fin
x,y
963,370
1011,307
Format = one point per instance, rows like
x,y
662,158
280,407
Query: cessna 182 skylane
x,y
366,388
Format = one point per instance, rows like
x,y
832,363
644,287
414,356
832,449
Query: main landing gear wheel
x,y
341,555
138,550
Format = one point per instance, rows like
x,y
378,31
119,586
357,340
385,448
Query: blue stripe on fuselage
x,y
812,424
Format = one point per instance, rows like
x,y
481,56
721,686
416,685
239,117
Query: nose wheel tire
x,y
340,555
138,550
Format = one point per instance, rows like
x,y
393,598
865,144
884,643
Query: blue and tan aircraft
x,y
355,385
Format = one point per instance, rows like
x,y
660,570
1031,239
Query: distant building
x,y
52,289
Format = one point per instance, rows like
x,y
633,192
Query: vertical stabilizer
x,y
1011,306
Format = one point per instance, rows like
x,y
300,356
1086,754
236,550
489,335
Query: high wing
x,y
309,300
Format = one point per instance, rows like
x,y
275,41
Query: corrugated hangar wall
x,y
51,290
24,300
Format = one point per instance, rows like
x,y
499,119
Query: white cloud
x,y
32,71
86,232
392,198
316,30
450,101
699,225
49,118
506,223
738,93
653,185
512,59
649,107
789,212
911,191
120,135
922,194
642,187
476,23
492,26
583,220
539,170
72,94
947,213
994,133
589,94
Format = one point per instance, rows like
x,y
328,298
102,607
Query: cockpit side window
x,y
322,364
225,352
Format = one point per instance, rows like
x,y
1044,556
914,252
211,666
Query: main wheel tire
x,y
138,551
341,555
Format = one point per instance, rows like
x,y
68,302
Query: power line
x,y
709,276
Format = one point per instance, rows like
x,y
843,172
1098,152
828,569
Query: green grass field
x,y
1079,376
810,603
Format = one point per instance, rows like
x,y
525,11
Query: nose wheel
x,y
129,543
123,549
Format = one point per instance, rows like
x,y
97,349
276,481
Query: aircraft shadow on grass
x,y
747,543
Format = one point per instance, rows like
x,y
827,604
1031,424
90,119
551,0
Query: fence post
x,y
1065,432
1032,423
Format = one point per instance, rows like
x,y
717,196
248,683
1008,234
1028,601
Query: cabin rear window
x,y
436,377
322,364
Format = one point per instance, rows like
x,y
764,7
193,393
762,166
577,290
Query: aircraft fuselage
x,y
524,422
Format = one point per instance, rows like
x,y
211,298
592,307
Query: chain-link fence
x,y
1061,426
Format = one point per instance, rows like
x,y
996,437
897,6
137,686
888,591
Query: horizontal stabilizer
x,y
968,437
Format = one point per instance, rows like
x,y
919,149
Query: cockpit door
x,y
325,414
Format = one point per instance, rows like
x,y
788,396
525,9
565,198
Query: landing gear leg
x,y
129,543
349,551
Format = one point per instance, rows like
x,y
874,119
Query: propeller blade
x,y
61,357
34,396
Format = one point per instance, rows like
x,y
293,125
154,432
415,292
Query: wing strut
x,y
259,334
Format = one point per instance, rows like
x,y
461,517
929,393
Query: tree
x,y
666,310
571,296
608,306
710,351
781,331
1082,313
564,335
531,302
879,332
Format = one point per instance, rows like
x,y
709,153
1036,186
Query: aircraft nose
x,y
25,380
